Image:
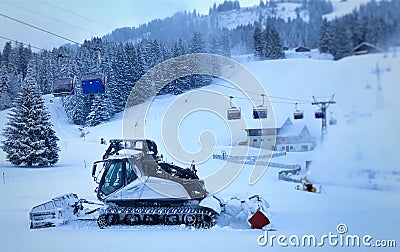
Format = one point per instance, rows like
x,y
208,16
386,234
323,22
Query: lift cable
x,y
248,99
51,18
269,96
29,45
40,29
51,33
78,15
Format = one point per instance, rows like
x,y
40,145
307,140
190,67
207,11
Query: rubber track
x,y
204,217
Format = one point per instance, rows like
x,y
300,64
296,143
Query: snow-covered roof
x,y
294,130
289,127
364,45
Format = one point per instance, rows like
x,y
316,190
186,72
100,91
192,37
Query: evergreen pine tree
x,y
7,54
75,108
225,43
273,44
101,111
29,137
5,95
258,42
325,38
343,42
197,44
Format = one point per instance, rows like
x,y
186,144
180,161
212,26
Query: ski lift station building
x,y
290,137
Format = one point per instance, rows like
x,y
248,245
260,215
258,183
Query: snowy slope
x,y
363,139
244,16
341,8
249,15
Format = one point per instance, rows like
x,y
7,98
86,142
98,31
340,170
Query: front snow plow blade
x,y
239,212
55,212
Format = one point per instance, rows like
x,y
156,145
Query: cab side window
x,y
130,174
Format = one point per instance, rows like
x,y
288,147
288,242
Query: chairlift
x,y
260,112
319,114
94,84
233,113
332,120
63,87
298,114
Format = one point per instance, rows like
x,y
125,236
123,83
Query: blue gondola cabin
x,y
94,84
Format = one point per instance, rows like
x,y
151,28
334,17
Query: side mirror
x,y
94,171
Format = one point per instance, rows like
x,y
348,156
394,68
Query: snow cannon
x,y
308,185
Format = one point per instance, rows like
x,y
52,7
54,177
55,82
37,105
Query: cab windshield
x,y
117,174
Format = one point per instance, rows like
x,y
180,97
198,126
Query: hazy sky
x,y
82,19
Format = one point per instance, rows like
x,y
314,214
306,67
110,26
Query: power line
x,y
13,40
78,15
51,18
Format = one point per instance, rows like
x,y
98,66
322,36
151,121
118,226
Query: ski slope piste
x,y
136,187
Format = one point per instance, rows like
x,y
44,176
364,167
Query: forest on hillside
x,y
128,53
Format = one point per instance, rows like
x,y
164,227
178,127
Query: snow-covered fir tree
x,y
273,44
326,38
258,42
5,94
76,109
102,110
267,43
197,45
29,137
122,74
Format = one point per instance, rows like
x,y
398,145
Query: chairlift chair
x,y
260,112
94,84
233,113
298,114
332,120
63,87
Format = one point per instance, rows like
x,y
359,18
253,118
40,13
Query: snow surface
x,y
343,7
357,166
249,15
